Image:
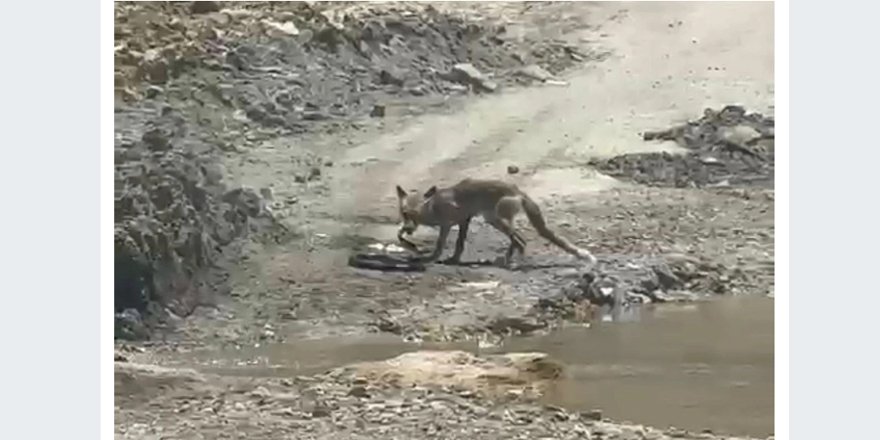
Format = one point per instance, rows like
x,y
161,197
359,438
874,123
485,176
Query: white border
x,y
106,218
781,288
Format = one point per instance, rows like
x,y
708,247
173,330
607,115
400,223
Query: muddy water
x,y
700,366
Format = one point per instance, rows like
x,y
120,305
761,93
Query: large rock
x,y
535,72
276,29
739,134
204,7
467,74
491,375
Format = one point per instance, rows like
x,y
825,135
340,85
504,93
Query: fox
x,y
496,201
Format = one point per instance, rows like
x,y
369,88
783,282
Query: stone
x,y
153,67
266,193
285,29
593,414
417,91
358,391
512,169
535,72
739,134
130,326
378,111
204,7
391,76
315,115
665,276
519,324
321,411
153,91
156,140
466,73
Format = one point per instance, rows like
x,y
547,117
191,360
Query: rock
x,y
156,139
466,73
315,115
417,91
555,82
739,134
391,76
321,411
153,91
535,72
389,325
676,432
519,324
667,279
204,7
153,67
680,296
314,173
378,111
259,392
276,29
358,391
512,169
130,326
460,370
266,193
593,414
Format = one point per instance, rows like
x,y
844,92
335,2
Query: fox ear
x,y
430,192
400,192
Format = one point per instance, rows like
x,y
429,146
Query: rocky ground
x,y
258,145
465,397
193,85
726,147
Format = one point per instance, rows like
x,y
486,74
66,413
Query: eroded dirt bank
x,y
258,146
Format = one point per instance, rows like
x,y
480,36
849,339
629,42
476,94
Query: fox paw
x,y
586,255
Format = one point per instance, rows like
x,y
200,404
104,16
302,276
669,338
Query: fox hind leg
x,y
517,242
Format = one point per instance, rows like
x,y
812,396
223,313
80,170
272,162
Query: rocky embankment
x,y
196,81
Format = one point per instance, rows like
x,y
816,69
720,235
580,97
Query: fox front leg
x,y
459,242
441,242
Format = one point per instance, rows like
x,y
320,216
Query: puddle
x,y
700,366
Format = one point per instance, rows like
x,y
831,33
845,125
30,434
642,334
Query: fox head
x,y
411,206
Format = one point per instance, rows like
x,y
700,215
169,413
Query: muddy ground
x,y
258,147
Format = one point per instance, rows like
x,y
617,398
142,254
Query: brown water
x,y
701,366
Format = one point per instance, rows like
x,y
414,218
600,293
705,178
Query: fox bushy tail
x,y
533,212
